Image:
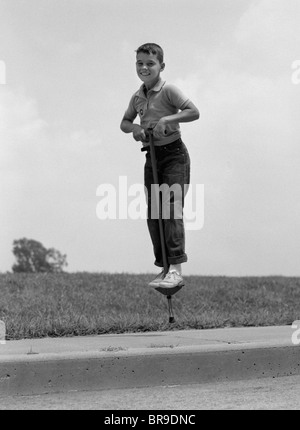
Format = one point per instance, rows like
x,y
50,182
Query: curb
x,y
209,361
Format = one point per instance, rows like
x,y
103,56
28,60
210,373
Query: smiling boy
x,y
162,107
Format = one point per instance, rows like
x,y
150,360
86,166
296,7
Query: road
x,y
279,393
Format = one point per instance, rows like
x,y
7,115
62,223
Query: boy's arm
x,y
128,126
188,114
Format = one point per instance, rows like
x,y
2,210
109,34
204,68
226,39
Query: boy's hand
x,y
160,128
138,133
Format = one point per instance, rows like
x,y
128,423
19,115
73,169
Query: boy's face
x,y
148,68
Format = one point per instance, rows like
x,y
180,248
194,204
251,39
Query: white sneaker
x,y
160,277
172,279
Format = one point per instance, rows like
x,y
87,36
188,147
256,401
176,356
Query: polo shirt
x,y
162,100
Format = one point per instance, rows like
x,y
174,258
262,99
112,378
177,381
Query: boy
x,y
162,107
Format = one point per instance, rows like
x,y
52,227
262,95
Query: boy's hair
x,y
152,48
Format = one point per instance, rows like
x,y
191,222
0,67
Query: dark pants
x,y
173,168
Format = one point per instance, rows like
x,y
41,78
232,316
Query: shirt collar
x,y
157,87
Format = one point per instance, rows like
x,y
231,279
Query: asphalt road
x,y
267,394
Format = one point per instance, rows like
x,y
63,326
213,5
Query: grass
x,y
40,305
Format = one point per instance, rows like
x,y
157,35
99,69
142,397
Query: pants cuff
x,y
178,259
158,264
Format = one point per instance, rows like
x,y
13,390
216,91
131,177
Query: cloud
x,y
19,118
245,149
48,176
28,138
270,29
23,136
72,49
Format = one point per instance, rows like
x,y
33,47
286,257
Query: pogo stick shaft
x,y
157,201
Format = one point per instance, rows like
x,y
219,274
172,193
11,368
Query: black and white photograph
x,y
150,207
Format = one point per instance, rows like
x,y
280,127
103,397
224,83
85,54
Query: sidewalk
x,y
146,359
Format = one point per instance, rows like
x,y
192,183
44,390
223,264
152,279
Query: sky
x,y
67,72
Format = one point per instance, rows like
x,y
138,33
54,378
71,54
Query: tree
x,y
33,257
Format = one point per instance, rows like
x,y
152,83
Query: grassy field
x,y
39,305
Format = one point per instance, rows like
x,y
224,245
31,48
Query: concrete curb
x,y
151,359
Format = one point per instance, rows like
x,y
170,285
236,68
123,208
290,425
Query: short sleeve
x,y
176,96
131,112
